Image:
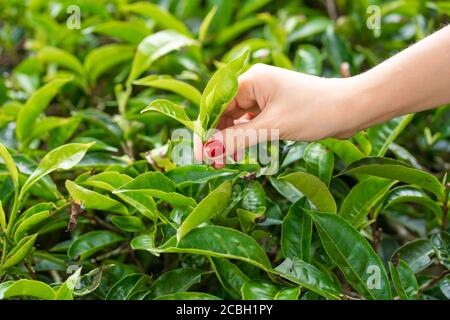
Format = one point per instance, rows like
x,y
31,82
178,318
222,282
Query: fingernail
x,y
214,148
240,121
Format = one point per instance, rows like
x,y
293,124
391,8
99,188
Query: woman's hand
x,y
297,106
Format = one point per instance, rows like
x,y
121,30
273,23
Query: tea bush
x,y
93,206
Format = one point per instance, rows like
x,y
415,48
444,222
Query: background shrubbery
x,y
142,226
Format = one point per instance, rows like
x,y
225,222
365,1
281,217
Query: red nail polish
x,y
214,148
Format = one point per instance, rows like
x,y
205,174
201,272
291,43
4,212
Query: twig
x,y
445,207
433,281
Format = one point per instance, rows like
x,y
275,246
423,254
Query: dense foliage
x,y
87,179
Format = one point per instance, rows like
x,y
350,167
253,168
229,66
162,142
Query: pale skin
x,y
309,108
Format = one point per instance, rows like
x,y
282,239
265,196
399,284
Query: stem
x,y
433,281
445,207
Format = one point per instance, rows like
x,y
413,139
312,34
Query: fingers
x,y
232,142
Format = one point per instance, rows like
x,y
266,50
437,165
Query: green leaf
x,y
181,88
382,135
252,290
286,189
255,198
364,196
60,57
36,104
395,170
154,47
319,161
10,165
344,149
308,276
128,223
177,280
27,224
197,174
65,292
354,256
127,286
157,185
92,200
308,60
188,296
229,275
441,245
220,91
411,194
25,287
212,205
2,218
231,32
92,242
19,252
162,17
296,232
129,31
218,242
312,27
251,6
204,27
313,188
62,158
417,254
175,112
90,281
404,280
101,59
248,219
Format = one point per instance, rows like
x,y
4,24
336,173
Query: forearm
x,y
416,79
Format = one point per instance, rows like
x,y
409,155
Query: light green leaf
x,y
93,200
364,196
27,224
308,60
19,252
65,292
103,58
60,57
168,83
382,135
157,185
10,165
197,174
204,27
314,189
129,31
25,287
312,27
220,91
175,112
36,104
253,290
417,254
2,218
62,158
213,204
158,14
154,47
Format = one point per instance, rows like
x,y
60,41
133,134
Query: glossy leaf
x,y
314,189
188,296
404,280
10,165
363,197
60,57
395,170
197,174
36,104
128,223
127,286
417,254
177,280
252,290
25,287
308,60
319,161
27,224
308,276
22,249
92,200
181,88
65,292
212,205
90,243
359,263
296,232
230,276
